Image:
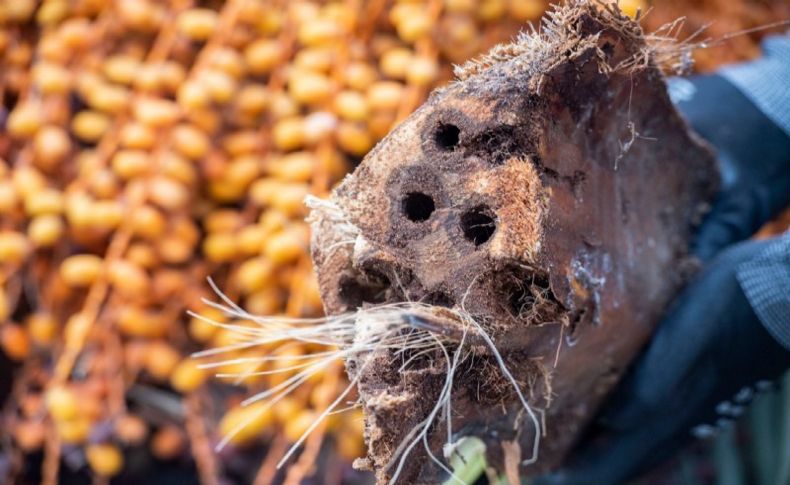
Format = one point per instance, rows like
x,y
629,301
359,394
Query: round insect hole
x,y
418,207
478,226
447,136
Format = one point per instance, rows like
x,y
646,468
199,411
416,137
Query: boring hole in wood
x,y
478,225
418,207
447,136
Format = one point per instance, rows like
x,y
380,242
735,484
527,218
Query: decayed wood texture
x,y
551,192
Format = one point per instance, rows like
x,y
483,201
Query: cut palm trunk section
x,y
546,200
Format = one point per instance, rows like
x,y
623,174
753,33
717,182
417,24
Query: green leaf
x,y
468,461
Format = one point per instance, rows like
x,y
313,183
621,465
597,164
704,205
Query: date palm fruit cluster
x,y
147,145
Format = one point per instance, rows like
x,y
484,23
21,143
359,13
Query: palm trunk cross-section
x,y
548,196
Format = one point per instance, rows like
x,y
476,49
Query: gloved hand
x,y
707,356
698,372
754,160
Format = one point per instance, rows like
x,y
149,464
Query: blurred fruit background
x,y
147,145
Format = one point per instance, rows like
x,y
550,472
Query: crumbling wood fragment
x,y
550,193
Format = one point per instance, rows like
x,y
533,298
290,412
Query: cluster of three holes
x,y
477,224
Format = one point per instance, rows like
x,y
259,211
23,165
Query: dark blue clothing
x,y
744,112
765,281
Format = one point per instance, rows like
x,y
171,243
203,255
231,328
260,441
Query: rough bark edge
x,y
560,37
